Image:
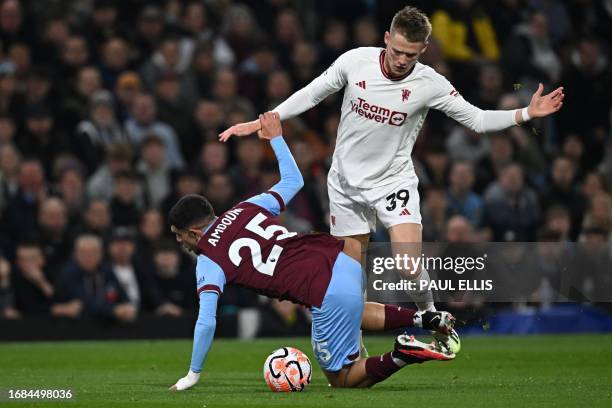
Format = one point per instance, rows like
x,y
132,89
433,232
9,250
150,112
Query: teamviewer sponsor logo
x,y
378,113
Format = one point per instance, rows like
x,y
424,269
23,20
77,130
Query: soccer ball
x,y
287,370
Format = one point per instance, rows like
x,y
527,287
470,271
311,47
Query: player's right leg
x,y
367,372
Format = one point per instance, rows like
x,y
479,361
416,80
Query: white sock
x,y
424,298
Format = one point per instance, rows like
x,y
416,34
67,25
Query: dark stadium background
x,y
110,110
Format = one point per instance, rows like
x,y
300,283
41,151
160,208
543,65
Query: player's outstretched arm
x,y
202,340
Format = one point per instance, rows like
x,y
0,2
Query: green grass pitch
x,y
535,371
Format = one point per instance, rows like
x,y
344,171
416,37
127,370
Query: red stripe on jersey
x,y
278,198
210,288
381,60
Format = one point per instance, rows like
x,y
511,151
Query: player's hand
x,y
541,106
186,382
240,129
270,126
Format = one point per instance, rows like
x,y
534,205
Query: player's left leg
x,y
379,317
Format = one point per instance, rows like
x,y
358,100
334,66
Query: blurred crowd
x,y
110,111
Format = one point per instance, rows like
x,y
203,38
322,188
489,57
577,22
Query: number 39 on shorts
x,y
401,196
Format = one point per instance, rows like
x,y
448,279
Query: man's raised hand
x,y
541,106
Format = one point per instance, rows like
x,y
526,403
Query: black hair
x,y
189,211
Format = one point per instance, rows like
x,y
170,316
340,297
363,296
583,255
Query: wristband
x,y
525,114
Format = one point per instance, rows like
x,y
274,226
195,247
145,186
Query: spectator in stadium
x,y
7,308
7,130
528,55
594,182
225,93
511,207
246,172
70,188
501,153
150,27
114,61
599,214
154,171
100,130
102,183
489,91
204,68
40,137
53,233
174,276
208,121
466,145
104,23
75,106
127,203
335,41
279,87
588,78
137,282
171,59
366,33
462,199
96,219
143,122
150,232
75,55
241,31
435,213
221,192
305,64
213,159
22,209
127,87
33,284
196,24
185,183
12,29
10,163
467,37
557,219
562,191
175,109
88,286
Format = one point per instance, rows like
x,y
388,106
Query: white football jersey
x,y
382,116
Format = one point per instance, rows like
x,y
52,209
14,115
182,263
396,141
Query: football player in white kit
x,y
387,94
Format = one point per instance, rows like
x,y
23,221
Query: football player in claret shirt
x,y
246,246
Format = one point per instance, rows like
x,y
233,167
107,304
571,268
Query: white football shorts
x,y
353,211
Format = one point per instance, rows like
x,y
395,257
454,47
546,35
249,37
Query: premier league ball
x,y
287,370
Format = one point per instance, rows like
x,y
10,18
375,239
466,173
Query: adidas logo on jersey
x,y
405,212
361,84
